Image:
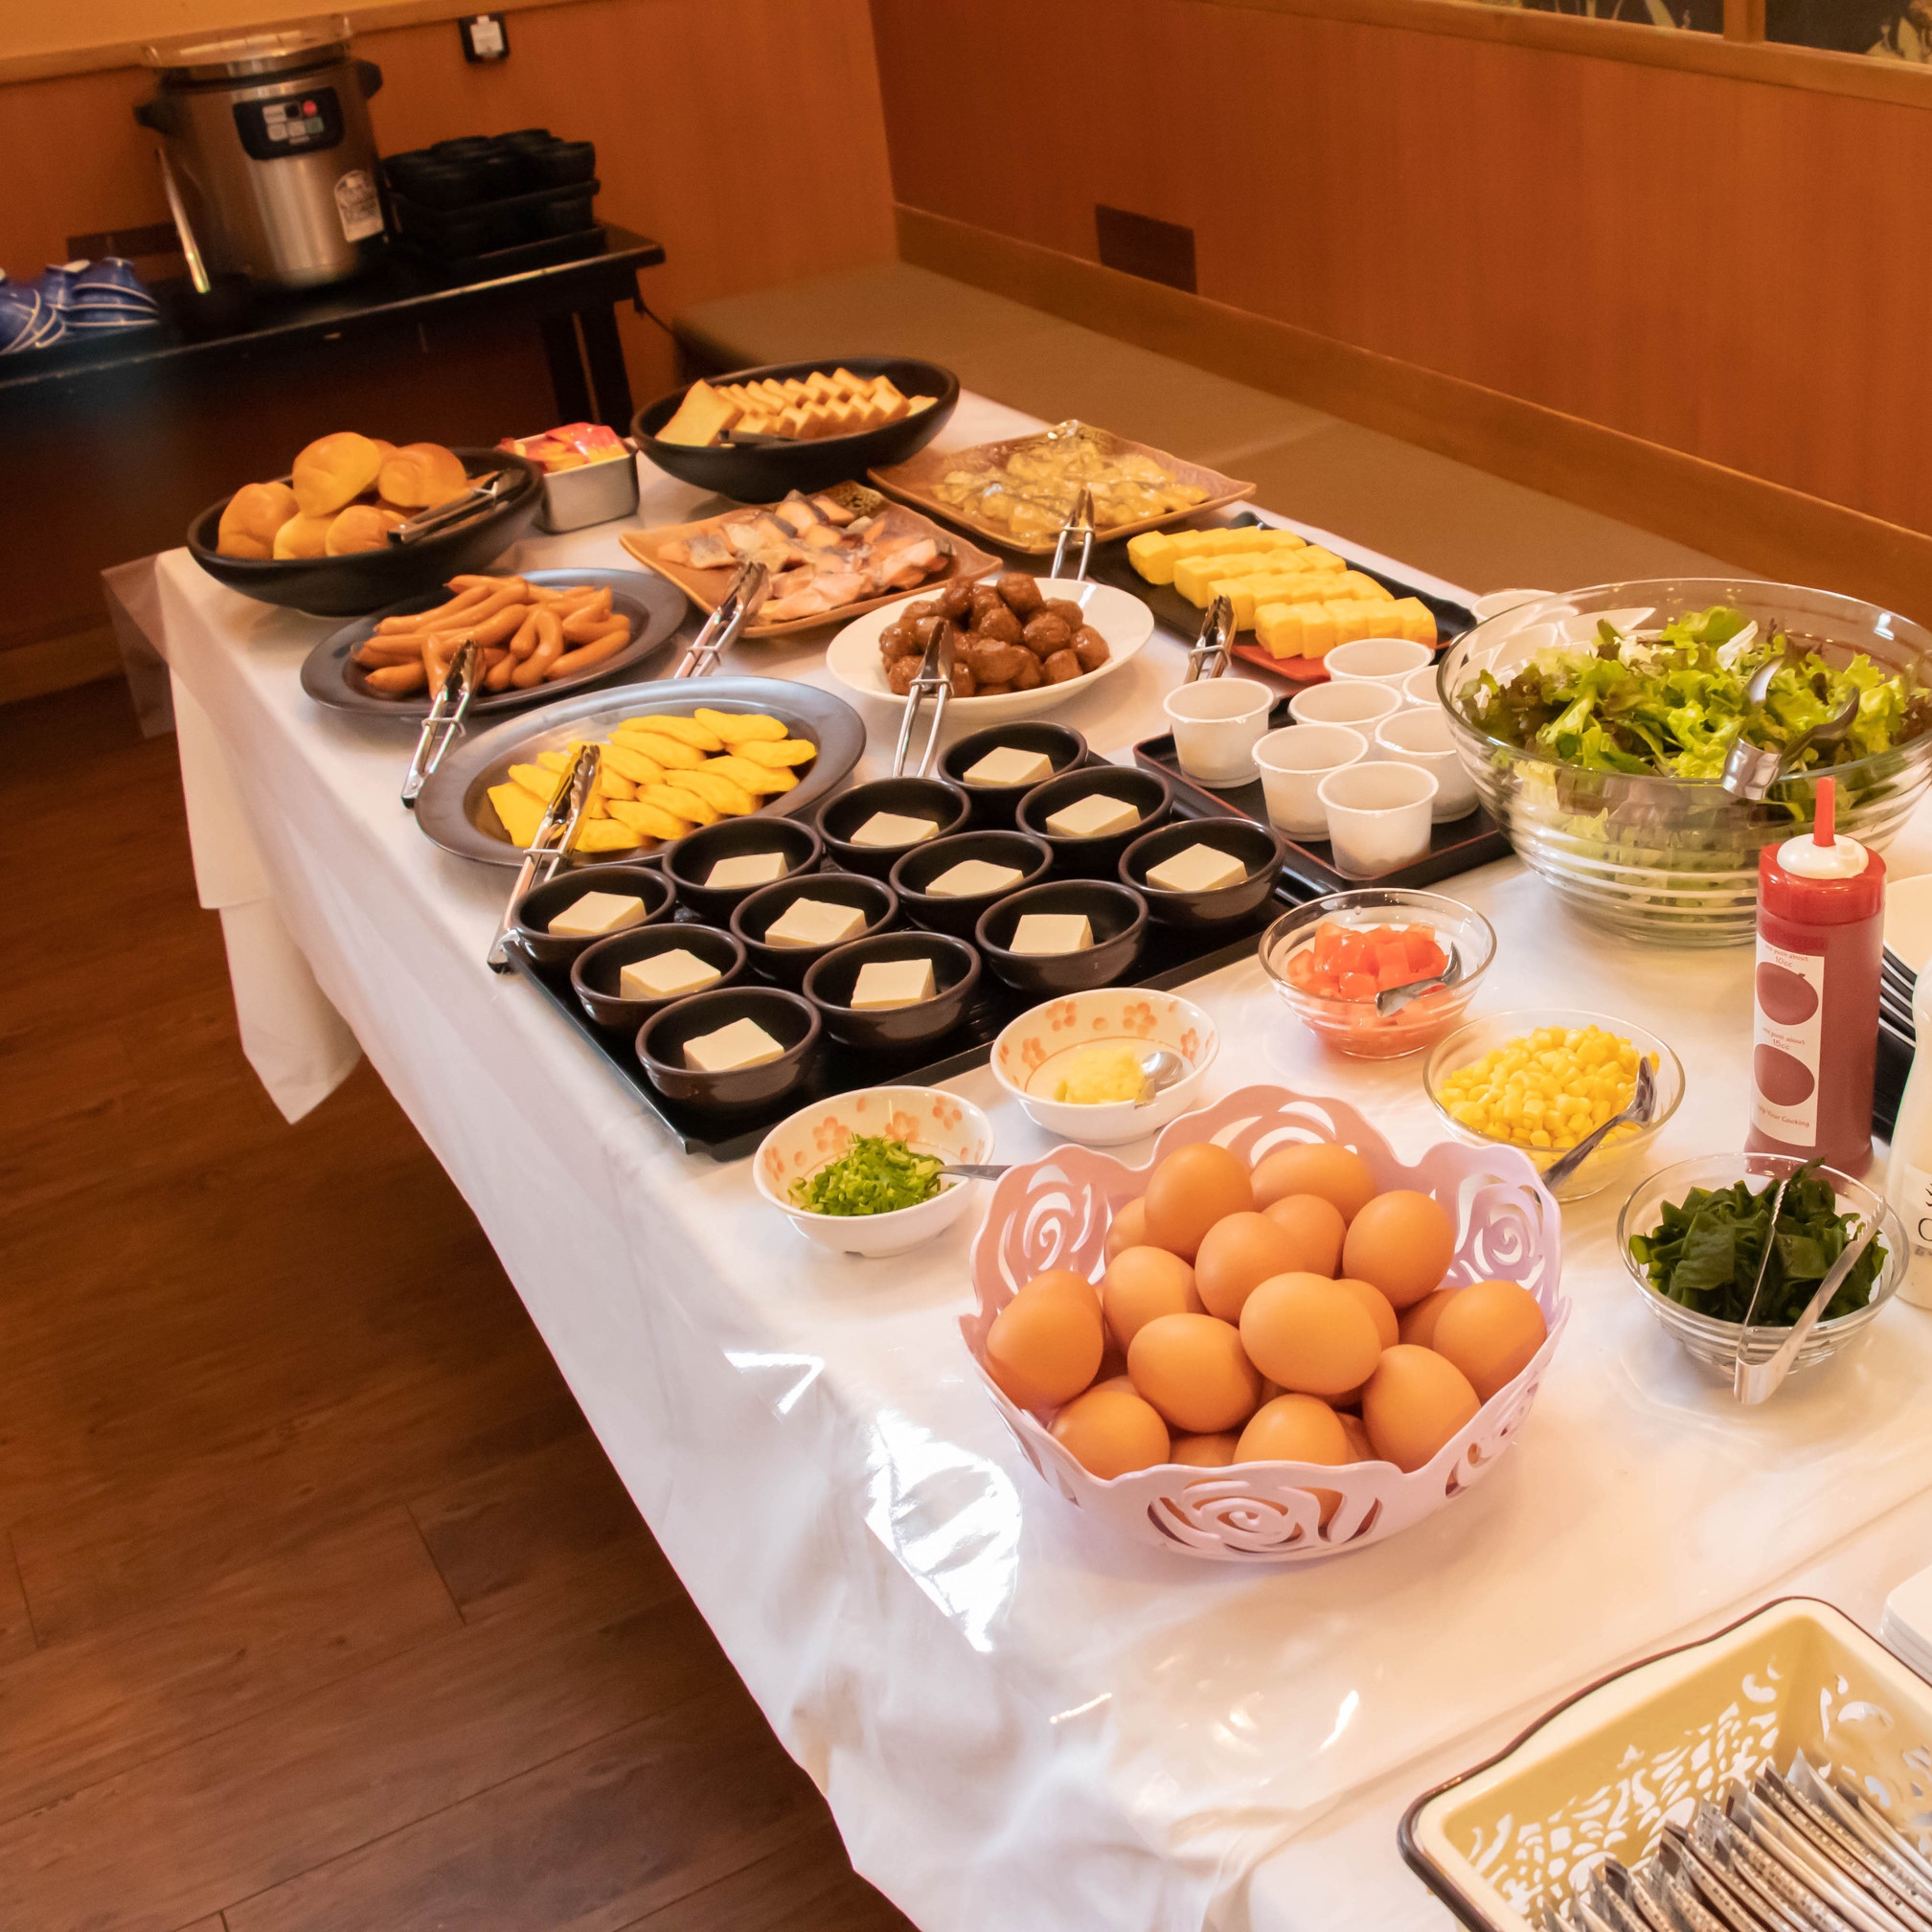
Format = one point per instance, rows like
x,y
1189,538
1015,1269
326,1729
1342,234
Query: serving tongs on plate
x,y
480,495
736,609
1080,523
447,711
934,681
554,841
1752,769
1208,654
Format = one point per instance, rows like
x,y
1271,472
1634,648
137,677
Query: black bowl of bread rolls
x,y
1009,633
318,538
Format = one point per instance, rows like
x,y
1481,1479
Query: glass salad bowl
x,y
1665,860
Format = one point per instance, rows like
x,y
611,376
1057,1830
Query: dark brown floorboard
x,y
320,1606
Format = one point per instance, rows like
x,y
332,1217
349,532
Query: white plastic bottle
x,y
1908,1175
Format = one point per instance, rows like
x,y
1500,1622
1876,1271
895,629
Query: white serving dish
x,y
1126,623
929,1121
593,493
1028,1045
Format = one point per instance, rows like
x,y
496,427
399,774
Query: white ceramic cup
x,y
1379,816
1217,723
1419,688
1359,705
1421,737
1377,660
1294,760
1497,601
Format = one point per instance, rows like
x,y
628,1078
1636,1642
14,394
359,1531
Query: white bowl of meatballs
x,y
1019,649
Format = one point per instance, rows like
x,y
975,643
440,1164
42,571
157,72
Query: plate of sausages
x,y
1021,645
542,632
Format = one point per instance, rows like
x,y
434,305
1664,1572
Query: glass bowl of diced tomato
x,y
1330,959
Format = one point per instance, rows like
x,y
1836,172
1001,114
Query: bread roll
x,y
302,537
334,471
362,526
255,513
421,475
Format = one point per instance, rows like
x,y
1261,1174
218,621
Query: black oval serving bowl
x,y
788,1017
687,863
1100,856
994,806
1258,847
834,975
842,815
1117,914
763,472
531,916
960,913
597,973
371,579
788,965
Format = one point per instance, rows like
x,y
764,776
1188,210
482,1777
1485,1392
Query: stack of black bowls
x,y
478,200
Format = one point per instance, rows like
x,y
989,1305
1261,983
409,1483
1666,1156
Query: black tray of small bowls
x,y
656,609
1460,845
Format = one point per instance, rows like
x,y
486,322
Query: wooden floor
x,y
320,1606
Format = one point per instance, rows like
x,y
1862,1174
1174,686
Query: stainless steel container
x,y
268,134
593,493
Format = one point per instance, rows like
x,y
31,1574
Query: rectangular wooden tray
x,y
915,479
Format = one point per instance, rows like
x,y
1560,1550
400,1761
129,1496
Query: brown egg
x,y
1194,1371
1141,1283
1316,1227
1128,1229
1360,1448
1189,1192
1112,1431
1402,1244
1310,1334
1044,1347
1204,1452
1378,1304
1415,1402
1122,1381
1237,1255
1491,1332
1297,1429
1339,1174
1418,1321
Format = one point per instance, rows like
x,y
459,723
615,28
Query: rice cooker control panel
x,y
297,123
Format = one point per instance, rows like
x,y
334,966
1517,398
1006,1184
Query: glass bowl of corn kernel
x,y
1542,1079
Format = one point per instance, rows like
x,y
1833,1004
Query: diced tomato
x,y
1357,986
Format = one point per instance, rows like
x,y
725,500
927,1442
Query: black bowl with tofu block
x,y
848,984
743,1045
860,830
744,848
1216,870
1090,845
534,918
1049,959
599,976
871,427
1020,746
811,915
957,909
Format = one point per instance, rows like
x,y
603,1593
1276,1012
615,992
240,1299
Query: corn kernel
x,y
1547,1089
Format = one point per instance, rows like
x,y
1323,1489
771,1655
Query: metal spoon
x,y
1392,999
1643,1104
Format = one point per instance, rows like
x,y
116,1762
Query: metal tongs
x,y
1208,654
1751,770
447,711
934,681
460,508
1080,523
554,841
736,609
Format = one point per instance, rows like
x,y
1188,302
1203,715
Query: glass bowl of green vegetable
x,y
1595,726
1692,1237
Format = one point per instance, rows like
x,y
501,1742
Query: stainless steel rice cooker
x,y
268,135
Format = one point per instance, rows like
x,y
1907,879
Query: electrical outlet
x,y
486,36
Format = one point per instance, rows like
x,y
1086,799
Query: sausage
x,y
1090,647
529,671
996,663
1021,594
499,628
1000,624
399,680
1066,610
587,654
1046,634
1061,668
501,664
470,582
585,622
402,626
525,640
376,651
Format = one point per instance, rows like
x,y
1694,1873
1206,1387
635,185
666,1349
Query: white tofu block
x,y
893,828
815,921
1053,932
665,975
744,1043
973,878
597,912
747,868
1093,816
1198,867
1010,764
883,984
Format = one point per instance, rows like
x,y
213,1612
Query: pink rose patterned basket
x,y
1054,1213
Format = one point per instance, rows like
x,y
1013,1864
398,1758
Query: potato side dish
x,y
1032,492
1012,637
346,493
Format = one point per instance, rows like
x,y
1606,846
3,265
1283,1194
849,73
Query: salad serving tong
x,y
447,711
736,609
554,841
1751,769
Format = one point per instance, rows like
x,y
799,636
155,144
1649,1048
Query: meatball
x,y
1020,592
897,640
986,600
1045,634
1029,676
964,683
956,599
1000,624
1061,668
900,672
994,663
1066,610
1090,647
926,606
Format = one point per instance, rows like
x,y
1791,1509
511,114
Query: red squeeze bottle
x,y
1821,940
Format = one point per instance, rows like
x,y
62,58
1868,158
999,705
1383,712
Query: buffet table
x,y
1016,1717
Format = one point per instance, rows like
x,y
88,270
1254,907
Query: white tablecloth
x,y
1015,1718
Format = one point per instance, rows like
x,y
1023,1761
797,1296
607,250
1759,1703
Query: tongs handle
x,y
738,607
934,681
458,509
443,724
1208,654
1080,523
553,842
1753,1382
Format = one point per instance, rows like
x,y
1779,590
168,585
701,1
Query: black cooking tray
x,y
1460,845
